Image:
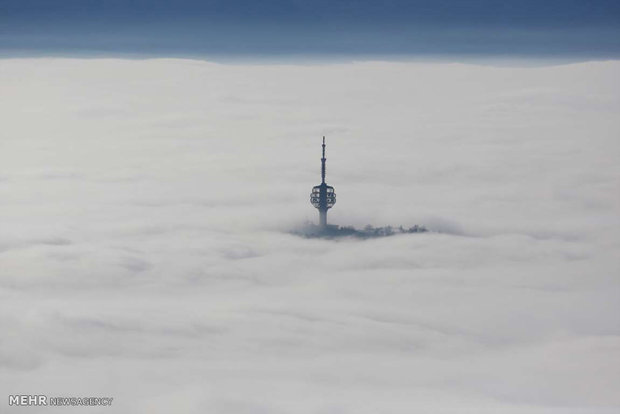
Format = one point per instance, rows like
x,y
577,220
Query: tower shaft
x,y
323,218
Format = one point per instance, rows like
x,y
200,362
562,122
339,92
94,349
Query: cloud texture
x,y
143,248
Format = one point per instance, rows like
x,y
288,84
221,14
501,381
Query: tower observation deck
x,y
323,196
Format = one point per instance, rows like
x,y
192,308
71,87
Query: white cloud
x,y
144,253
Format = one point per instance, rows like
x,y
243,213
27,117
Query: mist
x,y
145,248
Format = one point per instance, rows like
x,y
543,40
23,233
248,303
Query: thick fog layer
x,y
145,252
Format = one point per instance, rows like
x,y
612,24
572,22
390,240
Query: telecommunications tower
x,y
323,196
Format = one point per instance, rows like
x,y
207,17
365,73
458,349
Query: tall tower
x,y
323,196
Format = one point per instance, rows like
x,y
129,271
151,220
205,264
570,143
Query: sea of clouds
x,y
145,253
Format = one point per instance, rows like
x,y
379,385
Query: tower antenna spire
x,y
323,164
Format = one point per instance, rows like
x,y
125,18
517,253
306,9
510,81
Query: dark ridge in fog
x,y
312,231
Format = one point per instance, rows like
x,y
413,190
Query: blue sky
x,y
187,28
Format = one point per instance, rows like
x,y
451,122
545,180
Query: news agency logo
x,y
44,400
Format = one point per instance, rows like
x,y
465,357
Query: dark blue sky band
x,y
542,28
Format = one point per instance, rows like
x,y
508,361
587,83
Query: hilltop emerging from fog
x,y
369,232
